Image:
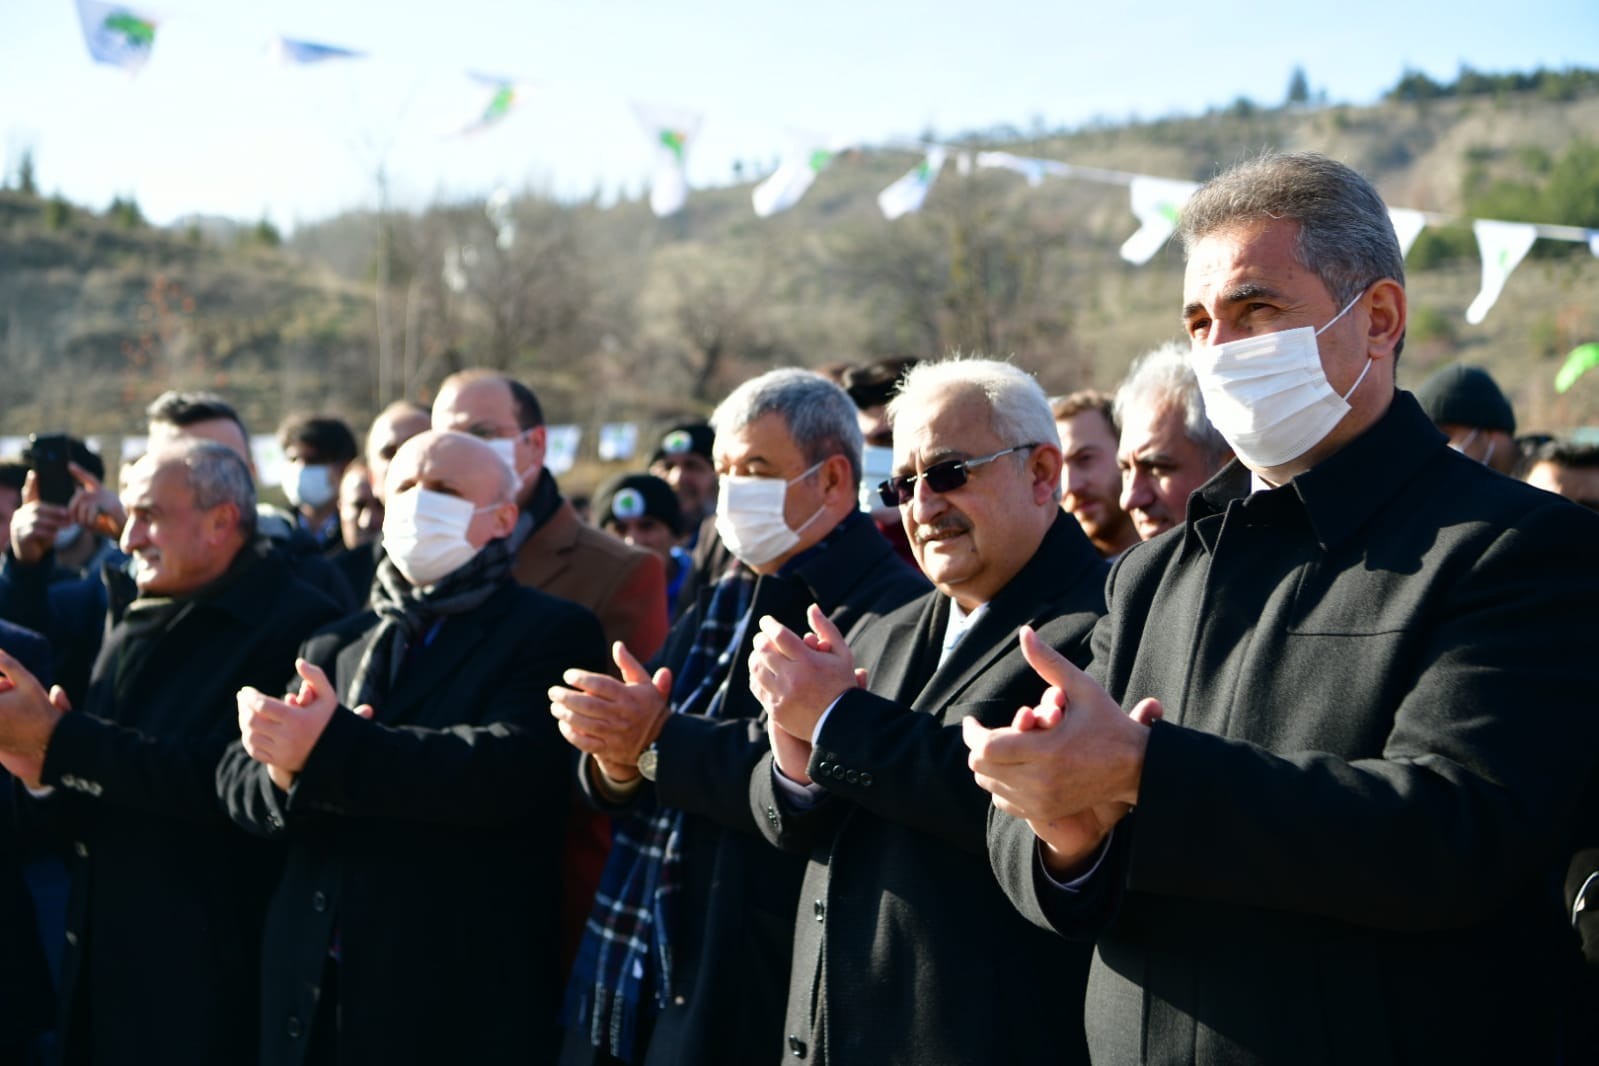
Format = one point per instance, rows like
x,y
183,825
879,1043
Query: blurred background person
x,y
644,511
316,449
1090,481
1567,469
1168,447
1472,410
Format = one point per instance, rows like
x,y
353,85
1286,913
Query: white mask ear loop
x,y
1369,361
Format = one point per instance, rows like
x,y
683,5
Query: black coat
x,y
1378,687
164,920
905,950
735,919
26,998
428,839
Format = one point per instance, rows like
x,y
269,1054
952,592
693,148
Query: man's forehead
x,y
766,437
482,400
952,421
1088,426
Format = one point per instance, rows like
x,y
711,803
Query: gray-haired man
x,y
164,922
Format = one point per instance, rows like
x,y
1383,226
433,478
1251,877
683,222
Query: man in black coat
x,y
905,950
421,790
164,920
1374,658
712,949
26,994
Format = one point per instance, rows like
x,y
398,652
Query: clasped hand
x,y
796,679
28,717
613,720
281,733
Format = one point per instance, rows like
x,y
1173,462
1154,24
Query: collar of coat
x,y
1338,495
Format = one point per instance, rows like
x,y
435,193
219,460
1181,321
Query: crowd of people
x,y
897,714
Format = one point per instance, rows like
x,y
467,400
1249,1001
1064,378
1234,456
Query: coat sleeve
x,y
1472,797
635,612
504,768
705,766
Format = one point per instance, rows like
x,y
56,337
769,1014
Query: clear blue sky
x,y
211,126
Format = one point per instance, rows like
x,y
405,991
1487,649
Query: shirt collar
x,y
1338,495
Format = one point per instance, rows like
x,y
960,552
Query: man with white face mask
x,y
1469,407
1345,836
418,785
316,449
708,906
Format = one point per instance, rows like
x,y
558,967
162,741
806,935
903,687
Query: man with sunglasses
x,y
1343,841
905,950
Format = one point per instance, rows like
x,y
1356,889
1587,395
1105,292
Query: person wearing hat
x,y
683,461
1466,403
643,510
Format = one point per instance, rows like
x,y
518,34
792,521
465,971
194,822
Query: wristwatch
x,y
647,761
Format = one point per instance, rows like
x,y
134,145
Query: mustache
x,y
950,524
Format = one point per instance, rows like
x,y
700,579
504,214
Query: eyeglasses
x,y
940,477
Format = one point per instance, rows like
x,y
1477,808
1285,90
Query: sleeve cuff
x,y
801,796
1077,883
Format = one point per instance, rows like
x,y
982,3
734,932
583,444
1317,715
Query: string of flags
x,y
122,37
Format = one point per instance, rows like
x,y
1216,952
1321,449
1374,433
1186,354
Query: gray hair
x,y
1018,409
820,416
215,475
1346,237
1164,376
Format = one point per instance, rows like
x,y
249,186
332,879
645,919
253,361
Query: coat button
x,y
852,777
319,902
796,1046
275,821
838,772
679,1000
825,767
866,779
292,1027
80,849
72,939
819,909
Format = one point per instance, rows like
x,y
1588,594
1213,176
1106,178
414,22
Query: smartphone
x,y
48,454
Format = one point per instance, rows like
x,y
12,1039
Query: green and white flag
x,y
115,35
905,196
1583,358
503,95
1408,225
1034,170
806,157
1157,203
672,133
1503,245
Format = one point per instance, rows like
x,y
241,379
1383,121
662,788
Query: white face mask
x,y
505,448
312,486
1460,447
424,532
877,464
749,517
1268,395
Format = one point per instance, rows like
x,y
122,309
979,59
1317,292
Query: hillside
x,y
613,314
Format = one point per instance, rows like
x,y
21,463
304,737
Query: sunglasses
x,y
940,477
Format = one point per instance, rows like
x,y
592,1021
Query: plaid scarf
x,y
405,612
626,952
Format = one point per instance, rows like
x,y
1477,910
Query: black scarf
x,y
405,612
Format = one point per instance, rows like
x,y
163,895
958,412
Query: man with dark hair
x,y
1091,483
1473,412
1374,661
685,956
164,921
1566,469
316,449
419,786
683,460
871,387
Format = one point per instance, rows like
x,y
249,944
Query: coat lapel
x,y
442,662
910,652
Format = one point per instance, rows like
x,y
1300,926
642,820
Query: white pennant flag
x,y
807,156
115,35
1502,244
671,132
905,196
1157,203
1031,169
1593,242
1408,225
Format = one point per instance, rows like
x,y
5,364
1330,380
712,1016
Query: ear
x,y
836,480
1386,307
504,520
538,439
1044,466
221,522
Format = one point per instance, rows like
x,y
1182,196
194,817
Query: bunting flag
x,y
498,210
1157,203
618,441
1583,358
672,133
560,448
116,35
1034,170
502,98
1593,243
290,52
905,196
1408,225
806,157
1502,244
